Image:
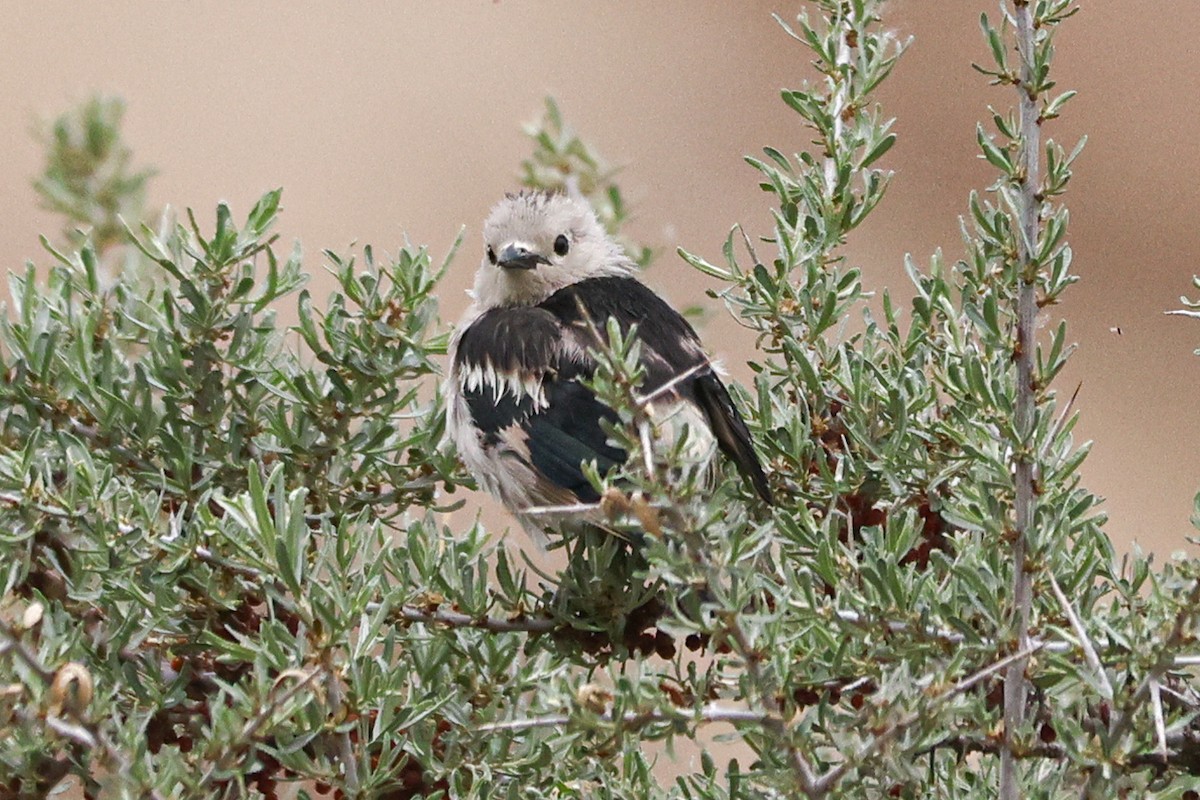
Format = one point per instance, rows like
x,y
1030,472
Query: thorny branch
x,y
769,717
1121,724
1016,687
830,779
1183,751
1184,747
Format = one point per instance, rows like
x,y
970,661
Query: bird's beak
x,y
514,256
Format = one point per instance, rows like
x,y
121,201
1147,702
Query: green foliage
x,y
225,567
561,161
88,179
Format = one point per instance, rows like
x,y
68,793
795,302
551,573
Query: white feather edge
x,y
486,376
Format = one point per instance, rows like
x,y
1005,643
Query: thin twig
x,y
645,400
948,636
455,619
210,558
1160,727
12,642
990,746
554,511
1183,753
830,778
72,730
529,723
1061,422
749,245
452,619
647,450
1085,642
232,750
712,713
968,682
773,721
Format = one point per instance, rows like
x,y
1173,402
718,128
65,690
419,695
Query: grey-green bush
x,y
226,571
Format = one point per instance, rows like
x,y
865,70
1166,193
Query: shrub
x,y
226,568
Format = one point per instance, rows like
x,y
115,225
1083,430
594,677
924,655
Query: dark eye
x,y
491,255
561,245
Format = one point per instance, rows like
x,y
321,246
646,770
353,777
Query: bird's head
x,y
536,243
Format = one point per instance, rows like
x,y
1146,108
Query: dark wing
x,y
520,379
670,348
568,433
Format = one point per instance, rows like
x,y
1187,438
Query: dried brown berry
x,y
664,644
806,696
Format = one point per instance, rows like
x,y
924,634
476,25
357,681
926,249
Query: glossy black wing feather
x,y
512,340
670,347
568,433
562,432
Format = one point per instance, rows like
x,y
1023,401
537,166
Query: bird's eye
x,y
491,255
561,245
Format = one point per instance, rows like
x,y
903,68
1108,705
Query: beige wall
x,y
405,117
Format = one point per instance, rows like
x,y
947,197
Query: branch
x,y
1121,723
828,780
543,625
1183,751
1016,688
452,619
646,399
633,720
773,721
455,619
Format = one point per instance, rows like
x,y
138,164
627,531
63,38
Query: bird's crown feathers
x,y
538,242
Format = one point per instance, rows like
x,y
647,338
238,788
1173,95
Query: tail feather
x,y
733,437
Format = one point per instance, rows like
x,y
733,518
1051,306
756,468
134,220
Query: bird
x,y
518,408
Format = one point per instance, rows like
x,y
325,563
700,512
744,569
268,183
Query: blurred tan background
x,y
380,119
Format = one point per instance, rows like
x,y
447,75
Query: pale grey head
x,y
536,243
